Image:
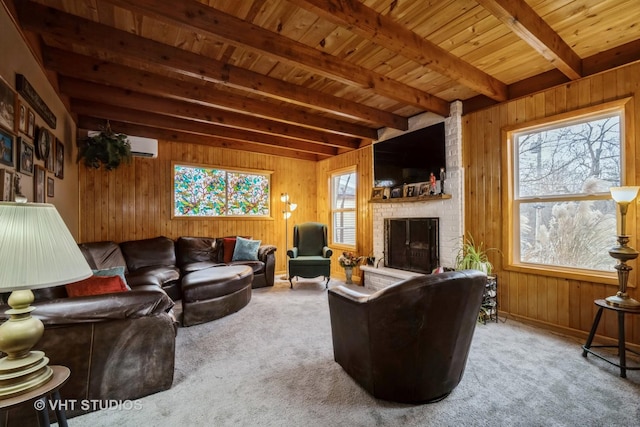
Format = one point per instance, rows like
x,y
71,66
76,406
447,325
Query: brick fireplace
x,y
448,211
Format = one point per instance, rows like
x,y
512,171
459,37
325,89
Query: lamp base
x,y
18,376
622,300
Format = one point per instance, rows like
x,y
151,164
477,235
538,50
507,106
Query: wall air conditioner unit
x,y
143,147
140,147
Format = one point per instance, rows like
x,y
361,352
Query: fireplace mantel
x,y
413,199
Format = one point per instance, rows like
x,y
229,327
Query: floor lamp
x,y
286,214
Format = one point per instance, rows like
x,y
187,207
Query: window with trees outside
x,y
201,191
343,208
562,216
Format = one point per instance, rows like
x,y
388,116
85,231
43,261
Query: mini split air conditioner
x,y
140,147
143,147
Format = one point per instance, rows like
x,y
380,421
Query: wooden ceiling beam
x,y
88,91
92,123
523,21
392,35
190,90
71,29
130,115
208,21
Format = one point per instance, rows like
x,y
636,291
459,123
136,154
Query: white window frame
x,y
511,209
334,175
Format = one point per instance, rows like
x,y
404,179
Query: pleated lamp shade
x,y
36,248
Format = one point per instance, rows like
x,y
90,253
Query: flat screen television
x,y
409,158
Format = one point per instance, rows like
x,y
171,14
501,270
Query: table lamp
x,y
36,251
623,253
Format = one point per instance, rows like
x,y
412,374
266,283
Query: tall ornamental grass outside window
x,y
343,208
562,216
201,191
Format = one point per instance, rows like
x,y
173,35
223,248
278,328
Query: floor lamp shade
x,y
36,251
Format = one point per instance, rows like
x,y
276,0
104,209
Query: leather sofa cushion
x,y
190,250
164,274
149,252
215,282
96,285
256,266
101,255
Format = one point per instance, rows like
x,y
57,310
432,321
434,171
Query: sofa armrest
x,y
140,302
264,251
355,294
327,252
292,253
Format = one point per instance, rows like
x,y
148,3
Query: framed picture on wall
x,y
25,158
39,181
6,185
8,99
6,148
31,123
50,186
59,168
50,161
22,117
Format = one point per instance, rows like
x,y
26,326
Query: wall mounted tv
x,y
410,157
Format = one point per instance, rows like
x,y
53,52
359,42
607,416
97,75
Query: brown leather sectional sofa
x,y
121,346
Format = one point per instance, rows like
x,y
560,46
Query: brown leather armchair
x,y
408,342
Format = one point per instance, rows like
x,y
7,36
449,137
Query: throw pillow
x,y
113,271
95,285
246,250
229,244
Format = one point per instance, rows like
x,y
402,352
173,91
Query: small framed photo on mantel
x,y
377,193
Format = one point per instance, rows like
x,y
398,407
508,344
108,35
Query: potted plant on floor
x,y
106,148
348,260
473,256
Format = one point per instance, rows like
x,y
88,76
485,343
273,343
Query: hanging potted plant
x,y
106,148
473,256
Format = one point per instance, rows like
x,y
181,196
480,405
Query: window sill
x,y
567,273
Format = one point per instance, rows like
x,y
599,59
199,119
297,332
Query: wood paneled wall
x,y
557,303
363,160
134,201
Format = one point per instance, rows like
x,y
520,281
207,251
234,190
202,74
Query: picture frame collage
x,y
27,149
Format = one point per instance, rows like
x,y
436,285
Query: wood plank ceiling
x,y
311,78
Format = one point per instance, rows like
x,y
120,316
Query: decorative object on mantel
x,y
623,253
29,93
474,257
348,260
423,198
443,175
289,207
106,148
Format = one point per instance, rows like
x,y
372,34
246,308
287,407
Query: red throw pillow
x,y
96,285
229,245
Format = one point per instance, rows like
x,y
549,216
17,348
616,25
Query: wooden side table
x,y
622,348
38,397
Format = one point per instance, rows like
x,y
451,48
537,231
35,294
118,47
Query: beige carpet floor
x,y
271,364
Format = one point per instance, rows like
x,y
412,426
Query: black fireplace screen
x,y
412,244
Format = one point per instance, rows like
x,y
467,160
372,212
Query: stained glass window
x,y
209,191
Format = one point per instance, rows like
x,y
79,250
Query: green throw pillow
x,y
246,250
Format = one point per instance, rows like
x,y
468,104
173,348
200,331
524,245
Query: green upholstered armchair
x,y
310,255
